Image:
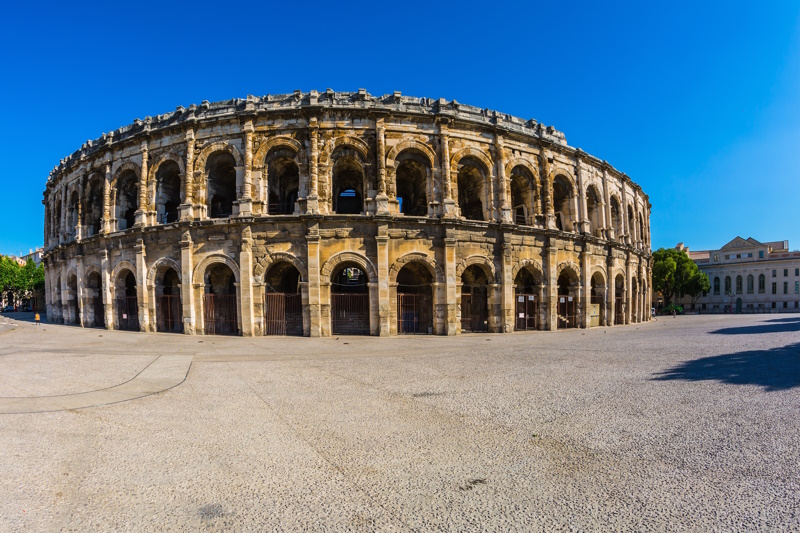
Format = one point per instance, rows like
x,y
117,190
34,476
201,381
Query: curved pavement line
x,y
164,373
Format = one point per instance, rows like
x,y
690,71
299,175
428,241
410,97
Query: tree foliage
x,y
20,281
675,273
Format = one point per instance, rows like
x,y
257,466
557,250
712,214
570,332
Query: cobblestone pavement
x,y
682,424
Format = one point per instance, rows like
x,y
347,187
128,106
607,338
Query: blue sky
x,y
700,105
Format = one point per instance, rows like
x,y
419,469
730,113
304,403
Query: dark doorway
x,y
526,292
127,304
220,307
283,304
567,300
349,301
474,300
414,300
169,315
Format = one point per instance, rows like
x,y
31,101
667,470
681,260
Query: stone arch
x,y
348,257
200,161
127,165
169,156
282,141
91,269
526,264
471,152
200,269
123,265
400,147
416,257
567,175
345,141
572,269
527,164
263,266
482,261
598,268
158,265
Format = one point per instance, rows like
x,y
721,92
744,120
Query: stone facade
x,y
323,213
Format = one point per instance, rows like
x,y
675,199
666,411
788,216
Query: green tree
x,y
9,276
673,273
697,285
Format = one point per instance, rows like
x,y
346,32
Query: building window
x,y
762,283
785,272
785,287
738,284
750,284
797,287
738,256
774,273
716,286
750,254
761,254
727,284
797,271
727,256
716,258
785,305
774,288
773,305
797,305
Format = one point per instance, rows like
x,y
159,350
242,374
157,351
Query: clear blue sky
x,y
699,102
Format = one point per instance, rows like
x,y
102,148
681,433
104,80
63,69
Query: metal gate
x,y
350,314
474,313
128,313
527,309
619,312
567,312
414,314
169,316
219,314
99,312
283,314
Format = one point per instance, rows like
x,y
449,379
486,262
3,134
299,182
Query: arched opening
x,y
528,293
414,299
411,181
283,182
57,224
522,196
738,305
597,304
739,284
127,200
619,299
349,300
168,192
221,172
631,225
471,180
57,306
74,315
93,207
169,315
95,310
72,215
716,286
593,210
616,218
348,186
220,309
642,236
634,300
126,301
750,281
474,300
283,304
727,286
567,299
562,203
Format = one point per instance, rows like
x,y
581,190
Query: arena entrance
x,y
169,314
127,304
597,307
72,299
619,299
634,300
219,301
474,300
526,291
349,301
96,316
283,303
414,300
567,300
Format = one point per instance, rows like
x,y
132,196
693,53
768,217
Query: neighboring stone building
x,y
748,276
320,213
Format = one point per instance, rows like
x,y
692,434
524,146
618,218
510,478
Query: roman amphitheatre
x,y
328,213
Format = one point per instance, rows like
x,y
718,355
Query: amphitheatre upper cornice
x,y
313,100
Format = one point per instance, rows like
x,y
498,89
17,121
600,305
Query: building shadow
x,y
776,369
775,325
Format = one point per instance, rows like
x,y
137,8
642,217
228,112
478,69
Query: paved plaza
x,y
681,424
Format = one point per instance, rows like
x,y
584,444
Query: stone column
x,y
312,202
607,223
624,214
79,225
141,286
384,304
106,223
246,197
187,194
246,282
502,184
382,199
573,202
108,295
80,291
610,290
508,289
628,290
141,213
452,324
314,303
552,281
547,193
586,286
584,225
187,290
449,209
64,208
